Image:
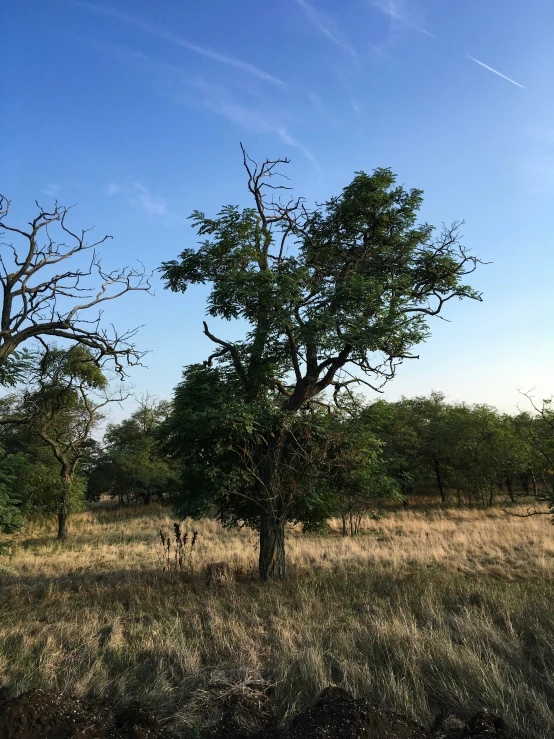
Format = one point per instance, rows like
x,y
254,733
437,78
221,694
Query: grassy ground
x,y
425,611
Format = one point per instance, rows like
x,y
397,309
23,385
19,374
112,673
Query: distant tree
x,y
131,466
61,407
10,501
344,288
43,298
540,434
398,431
356,470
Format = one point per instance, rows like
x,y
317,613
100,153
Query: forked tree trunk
x,y
272,547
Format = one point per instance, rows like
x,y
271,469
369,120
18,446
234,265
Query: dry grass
x,y
426,611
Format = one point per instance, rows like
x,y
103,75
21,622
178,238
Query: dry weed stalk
x,y
180,561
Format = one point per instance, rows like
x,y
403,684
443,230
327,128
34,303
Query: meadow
x,y
428,610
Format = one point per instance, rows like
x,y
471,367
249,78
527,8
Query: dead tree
x,y
42,298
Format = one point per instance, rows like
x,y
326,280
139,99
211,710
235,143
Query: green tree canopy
x,y
59,410
131,466
332,295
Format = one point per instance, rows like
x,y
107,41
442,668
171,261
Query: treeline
x,y
349,463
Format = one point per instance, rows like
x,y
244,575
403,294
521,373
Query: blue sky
x,y
134,109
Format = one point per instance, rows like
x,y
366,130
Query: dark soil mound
x,y
336,714
43,714
483,725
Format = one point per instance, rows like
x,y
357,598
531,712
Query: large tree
x,y
53,284
334,295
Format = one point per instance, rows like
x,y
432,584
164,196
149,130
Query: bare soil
x,y
335,714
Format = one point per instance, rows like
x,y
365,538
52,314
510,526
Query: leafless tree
x,y
46,291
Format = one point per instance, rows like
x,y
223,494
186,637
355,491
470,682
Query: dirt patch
x,y
336,714
483,725
42,714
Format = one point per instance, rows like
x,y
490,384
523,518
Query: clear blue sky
x,y
134,109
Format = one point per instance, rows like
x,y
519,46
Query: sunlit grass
x,y
425,611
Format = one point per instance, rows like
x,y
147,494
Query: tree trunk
x,y
62,524
64,502
272,547
491,495
405,501
344,525
534,482
510,488
438,475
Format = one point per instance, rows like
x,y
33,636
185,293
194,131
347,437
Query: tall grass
x,y
426,611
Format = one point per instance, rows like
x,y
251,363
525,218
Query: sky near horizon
x,y
134,109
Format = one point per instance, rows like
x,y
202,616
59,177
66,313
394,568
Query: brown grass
x,y
426,611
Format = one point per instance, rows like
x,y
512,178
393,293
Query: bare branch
x,y
37,303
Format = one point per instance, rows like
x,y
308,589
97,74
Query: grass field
x,y
426,611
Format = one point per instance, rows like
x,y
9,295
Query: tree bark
x,y
64,502
62,524
272,547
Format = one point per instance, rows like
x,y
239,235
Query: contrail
x,y
172,38
495,71
325,26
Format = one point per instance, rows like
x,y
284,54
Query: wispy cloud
x,y
326,26
287,138
113,189
153,205
53,189
163,33
394,10
221,100
198,92
317,103
494,71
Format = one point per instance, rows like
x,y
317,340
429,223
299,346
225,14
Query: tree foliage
x,y
59,409
131,466
344,288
